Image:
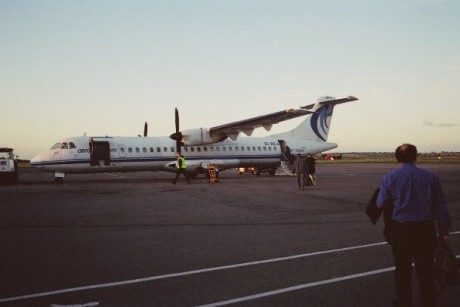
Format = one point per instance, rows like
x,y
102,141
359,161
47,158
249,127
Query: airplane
x,y
219,147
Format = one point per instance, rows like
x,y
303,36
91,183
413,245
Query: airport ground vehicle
x,y
256,170
8,166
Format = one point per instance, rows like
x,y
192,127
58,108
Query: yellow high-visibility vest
x,y
181,162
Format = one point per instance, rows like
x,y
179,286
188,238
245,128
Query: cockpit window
x,y
63,146
56,146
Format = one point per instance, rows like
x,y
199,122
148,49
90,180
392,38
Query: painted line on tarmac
x,y
304,286
152,278
298,287
172,275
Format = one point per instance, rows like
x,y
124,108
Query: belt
x,y
414,223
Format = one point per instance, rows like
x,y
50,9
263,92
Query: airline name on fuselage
x,y
86,150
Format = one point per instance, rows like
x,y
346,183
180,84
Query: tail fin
x,y
316,126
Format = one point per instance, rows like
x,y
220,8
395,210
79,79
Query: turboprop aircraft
x,y
219,147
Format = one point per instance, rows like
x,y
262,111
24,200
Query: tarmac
x,y
135,239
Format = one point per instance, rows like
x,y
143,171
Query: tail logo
x,y
321,120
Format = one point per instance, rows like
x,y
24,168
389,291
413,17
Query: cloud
x,y
429,123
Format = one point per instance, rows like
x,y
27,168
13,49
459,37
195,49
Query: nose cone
x,y
176,136
37,160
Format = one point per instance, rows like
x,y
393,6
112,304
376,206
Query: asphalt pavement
x,y
135,239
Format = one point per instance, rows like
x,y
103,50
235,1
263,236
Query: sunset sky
x,y
106,67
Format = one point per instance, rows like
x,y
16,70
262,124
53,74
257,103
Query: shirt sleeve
x,y
384,198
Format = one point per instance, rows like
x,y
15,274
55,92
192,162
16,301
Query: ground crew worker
x,y
180,168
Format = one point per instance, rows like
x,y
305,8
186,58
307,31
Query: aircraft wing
x,y
247,126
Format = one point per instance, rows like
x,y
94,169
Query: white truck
x,y
8,166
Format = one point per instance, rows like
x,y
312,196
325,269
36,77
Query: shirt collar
x,y
411,164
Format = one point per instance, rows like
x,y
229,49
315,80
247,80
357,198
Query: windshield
x,y
56,146
5,155
63,146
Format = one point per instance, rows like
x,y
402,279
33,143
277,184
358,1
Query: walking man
x,y
180,168
418,202
298,167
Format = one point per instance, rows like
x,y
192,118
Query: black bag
x,y
445,267
372,211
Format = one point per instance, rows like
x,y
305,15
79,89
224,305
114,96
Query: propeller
x,y
145,129
177,136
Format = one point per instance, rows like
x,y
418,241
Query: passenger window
x,y
253,148
230,148
205,148
211,148
258,148
192,149
122,149
158,149
130,150
224,148
137,149
198,149
151,149
144,150
265,148
165,149
172,149
217,148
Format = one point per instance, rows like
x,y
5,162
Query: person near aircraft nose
x,y
418,202
180,168
298,167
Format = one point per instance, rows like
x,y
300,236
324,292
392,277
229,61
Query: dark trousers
x,y
181,171
300,180
414,242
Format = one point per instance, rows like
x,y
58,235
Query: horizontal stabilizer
x,y
324,101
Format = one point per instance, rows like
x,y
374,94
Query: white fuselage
x,y
73,155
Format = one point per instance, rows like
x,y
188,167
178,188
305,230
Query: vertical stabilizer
x,y
316,125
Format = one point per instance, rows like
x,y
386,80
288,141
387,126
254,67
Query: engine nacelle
x,y
199,136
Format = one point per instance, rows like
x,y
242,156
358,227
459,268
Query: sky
x,y
106,67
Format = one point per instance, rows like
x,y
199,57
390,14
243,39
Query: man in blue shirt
x,y
418,202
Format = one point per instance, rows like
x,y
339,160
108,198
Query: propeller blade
x,y
145,129
178,135
177,119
